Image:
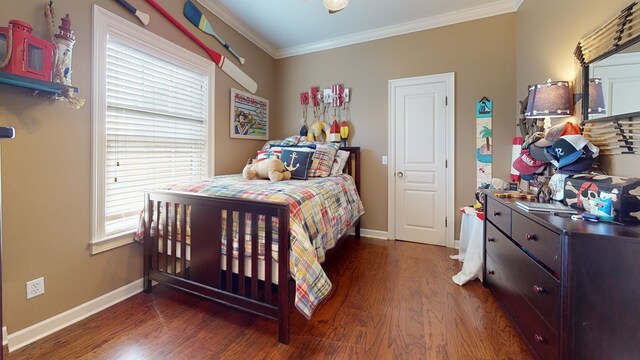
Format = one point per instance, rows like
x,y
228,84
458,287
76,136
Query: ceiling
x,y
285,28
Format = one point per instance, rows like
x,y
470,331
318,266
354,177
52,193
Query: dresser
x,y
570,287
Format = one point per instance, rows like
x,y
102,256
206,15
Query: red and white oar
x,y
225,65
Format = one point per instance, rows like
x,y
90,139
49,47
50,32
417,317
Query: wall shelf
x,y
33,84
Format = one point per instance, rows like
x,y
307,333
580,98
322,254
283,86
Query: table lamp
x,y
551,99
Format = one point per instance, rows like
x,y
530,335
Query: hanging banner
x,y
484,113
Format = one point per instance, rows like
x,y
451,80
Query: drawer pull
x,y
530,237
491,272
491,239
496,213
538,289
539,338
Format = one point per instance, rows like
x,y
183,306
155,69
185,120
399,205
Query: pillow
x,y
322,160
339,162
305,146
291,140
266,154
297,161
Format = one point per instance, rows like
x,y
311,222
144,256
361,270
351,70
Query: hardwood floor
x,y
390,300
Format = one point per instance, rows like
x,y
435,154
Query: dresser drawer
x,y
542,339
532,281
497,245
539,241
499,215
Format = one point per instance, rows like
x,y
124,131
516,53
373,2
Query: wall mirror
x,y
610,81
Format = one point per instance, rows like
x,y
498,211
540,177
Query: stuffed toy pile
x,y
272,169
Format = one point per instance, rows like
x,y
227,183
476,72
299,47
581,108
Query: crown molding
x,y
517,3
478,12
492,9
238,25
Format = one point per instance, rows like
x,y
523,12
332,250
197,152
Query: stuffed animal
x,y
272,169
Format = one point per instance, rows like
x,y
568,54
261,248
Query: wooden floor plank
x,y
390,299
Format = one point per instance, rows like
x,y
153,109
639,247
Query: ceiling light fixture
x,y
335,5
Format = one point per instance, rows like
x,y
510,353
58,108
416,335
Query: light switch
x,y
384,160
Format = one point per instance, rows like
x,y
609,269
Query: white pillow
x,y
339,162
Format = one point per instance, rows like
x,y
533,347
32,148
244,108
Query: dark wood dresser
x,y
571,287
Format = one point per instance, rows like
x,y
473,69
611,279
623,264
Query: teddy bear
x,y
272,169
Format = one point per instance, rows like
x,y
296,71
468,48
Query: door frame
x,y
449,119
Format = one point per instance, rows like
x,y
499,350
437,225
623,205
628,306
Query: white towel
x,y
470,249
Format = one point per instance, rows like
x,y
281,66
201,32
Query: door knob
x,y
400,174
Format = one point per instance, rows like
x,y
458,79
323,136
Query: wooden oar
x,y
198,19
144,18
227,67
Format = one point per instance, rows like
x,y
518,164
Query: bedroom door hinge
x,y
446,164
446,101
445,221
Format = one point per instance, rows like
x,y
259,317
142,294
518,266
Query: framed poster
x,y
249,116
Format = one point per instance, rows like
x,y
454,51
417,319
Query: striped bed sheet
x,y
321,211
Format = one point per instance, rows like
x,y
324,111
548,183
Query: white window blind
x,y
156,130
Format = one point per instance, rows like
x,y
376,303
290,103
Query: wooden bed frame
x,y
203,274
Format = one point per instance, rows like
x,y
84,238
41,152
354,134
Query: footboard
x,y
184,240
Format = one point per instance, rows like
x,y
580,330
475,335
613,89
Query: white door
x,y
419,159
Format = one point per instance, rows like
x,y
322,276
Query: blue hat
x,y
569,148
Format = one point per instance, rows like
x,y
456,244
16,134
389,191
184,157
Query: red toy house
x,y
30,56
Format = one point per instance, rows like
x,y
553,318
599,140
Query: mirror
x,y
610,59
614,84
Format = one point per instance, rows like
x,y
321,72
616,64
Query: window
x,y
152,105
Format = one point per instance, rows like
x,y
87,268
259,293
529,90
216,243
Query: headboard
x,y
353,163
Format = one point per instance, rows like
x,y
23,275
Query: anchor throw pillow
x,y
297,161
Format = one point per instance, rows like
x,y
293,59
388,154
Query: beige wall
x,y
482,55
547,34
46,168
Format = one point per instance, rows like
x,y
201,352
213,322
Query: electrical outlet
x,y
35,287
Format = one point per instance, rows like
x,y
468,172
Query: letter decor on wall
x,y
484,112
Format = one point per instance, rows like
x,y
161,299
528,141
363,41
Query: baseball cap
x,y
532,138
581,164
539,153
551,156
526,164
569,148
566,128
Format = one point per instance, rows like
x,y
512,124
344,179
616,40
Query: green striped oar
x,y
196,17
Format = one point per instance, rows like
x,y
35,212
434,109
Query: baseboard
x,y
5,342
376,234
38,331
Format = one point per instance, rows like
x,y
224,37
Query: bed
x,y
292,229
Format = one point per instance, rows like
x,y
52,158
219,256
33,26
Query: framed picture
x,y
249,116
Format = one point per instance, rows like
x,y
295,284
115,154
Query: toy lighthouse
x,y
64,40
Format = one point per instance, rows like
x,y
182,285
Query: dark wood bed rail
x,y
203,273
167,214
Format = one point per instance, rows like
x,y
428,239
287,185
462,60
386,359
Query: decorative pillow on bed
x,y
322,160
305,146
297,161
267,154
291,140
339,162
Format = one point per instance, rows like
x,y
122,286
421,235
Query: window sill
x,y
110,244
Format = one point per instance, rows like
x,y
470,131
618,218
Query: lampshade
x,y
549,99
335,5
596,97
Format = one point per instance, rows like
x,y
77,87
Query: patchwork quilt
x,y
321,211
